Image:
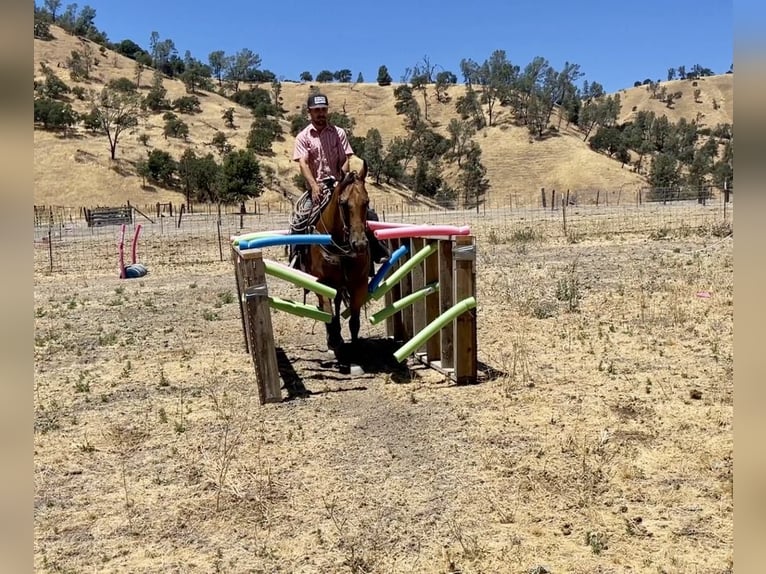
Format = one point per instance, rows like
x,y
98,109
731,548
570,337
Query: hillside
x,y
76,170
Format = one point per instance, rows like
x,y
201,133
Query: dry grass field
x,y
601,440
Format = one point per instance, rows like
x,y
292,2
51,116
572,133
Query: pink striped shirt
x,y
325,151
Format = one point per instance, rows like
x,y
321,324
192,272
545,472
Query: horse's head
x,y
353,201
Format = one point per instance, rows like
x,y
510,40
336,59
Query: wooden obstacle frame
x,y
452,352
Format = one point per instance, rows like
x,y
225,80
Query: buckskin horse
x,y
344,264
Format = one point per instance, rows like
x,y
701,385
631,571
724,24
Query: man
x,y
321,149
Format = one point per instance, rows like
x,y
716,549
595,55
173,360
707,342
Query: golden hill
x,y
76,170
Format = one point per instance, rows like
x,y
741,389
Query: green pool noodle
x,y
399,274
433,327
300,309
404,302
290,275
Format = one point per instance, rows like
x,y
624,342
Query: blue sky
x,y
615,42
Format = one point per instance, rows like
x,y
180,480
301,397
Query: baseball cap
x,y
317,101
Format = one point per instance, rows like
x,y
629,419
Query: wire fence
x,y
64,243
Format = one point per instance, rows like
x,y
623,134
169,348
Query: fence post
x,y
260,334
433,346
553,200
445,302
465,325
218,226
542,193
50,247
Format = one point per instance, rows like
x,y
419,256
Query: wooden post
x,y
465,325
418,281
240,292
394,323
542,192
553,200
564,212
50,247
445,302
260,336
598,192
433,346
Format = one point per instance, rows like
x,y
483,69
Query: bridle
x,y
343,249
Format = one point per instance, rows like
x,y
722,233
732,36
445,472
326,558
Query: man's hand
x,y
316,193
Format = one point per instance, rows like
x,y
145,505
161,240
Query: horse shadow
x,y
374,356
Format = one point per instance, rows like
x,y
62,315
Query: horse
x,y
345,263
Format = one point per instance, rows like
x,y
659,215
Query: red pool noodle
x,y
135,243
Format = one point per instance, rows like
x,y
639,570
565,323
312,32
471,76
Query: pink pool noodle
x,y
421,231
373,225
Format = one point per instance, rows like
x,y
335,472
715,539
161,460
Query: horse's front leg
x,y
334,338
358,298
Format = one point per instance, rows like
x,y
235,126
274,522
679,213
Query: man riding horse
x,y
321,150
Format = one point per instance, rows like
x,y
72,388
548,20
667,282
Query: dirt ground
x,y
600,442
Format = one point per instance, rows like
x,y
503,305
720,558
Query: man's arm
x,y
301,155
345,148
316,192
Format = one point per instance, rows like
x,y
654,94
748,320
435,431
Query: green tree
x,y
297,123
228,118
123,84
175,128
117,112
360,78
263,132
240,177
80,63
397,151
460,134
723,169
92,121
496,76
419,83
53,86
42,22
325,76
306,77
54,115
242,66
664,173
427,178
161,167
444,80
468,106
52,6
473,178
671,74
218,63
221,143
343,76
373,153
187,105
384,78
406,105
